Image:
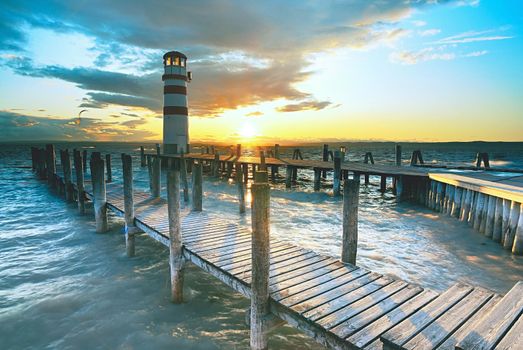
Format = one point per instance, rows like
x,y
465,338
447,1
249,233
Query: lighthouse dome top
x,y
174,54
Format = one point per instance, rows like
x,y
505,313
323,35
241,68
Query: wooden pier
x,y
339,304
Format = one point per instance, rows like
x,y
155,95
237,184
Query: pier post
x,y
277,151
245,170
515,209
150,171
337,174
456,202
128,202
183,175
216,165
260,261
155,177
158,149
99,194
398,155
506,218
263,166
108,165
351,190
229,169
478,212
238,150
239,184
84,159
288,176
68,174
399,188
317,179
142,157
50,161
490,211
197,191
498,221
176,260
79,170
465,208
517,247
325,159
383,184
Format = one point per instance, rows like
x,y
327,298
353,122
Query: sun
x,y
247,130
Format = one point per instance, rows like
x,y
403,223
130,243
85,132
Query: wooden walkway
x,y
340,305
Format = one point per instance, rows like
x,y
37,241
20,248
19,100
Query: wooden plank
x,y
224,260
291,253
355,286
407,329
321,265
245,270
494,325
330,320
448,323
455,338
310,274
370,334
513,340
355,323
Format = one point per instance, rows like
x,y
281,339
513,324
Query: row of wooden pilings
x,y
261,321
497,218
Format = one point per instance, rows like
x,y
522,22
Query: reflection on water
x,y
63,286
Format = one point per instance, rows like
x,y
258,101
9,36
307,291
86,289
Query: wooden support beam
x,y
108,166
351,191
99,194
80,187
517,247
176,259
465,207
50,164
274,172
142,157
288,176
183,175
510,233
325,158
263,166
399,188
84,159
398,155
491,209
241,190
215,165
498,221
383,184
478,212
128,202
68,174
337,174
277,151
155,177
317,179
245,171
229,169
456,202
158,150
197,184
260,261
506,219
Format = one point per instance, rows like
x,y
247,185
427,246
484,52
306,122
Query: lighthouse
x,y
175,111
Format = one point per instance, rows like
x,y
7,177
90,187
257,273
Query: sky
x,y
264,71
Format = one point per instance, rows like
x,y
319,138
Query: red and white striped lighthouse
x,y
175,111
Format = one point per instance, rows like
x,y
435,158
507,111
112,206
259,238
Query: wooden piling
x,y
128,195
456,202
158,150
263,166
491,208
383,184
398,155
241,191
99,194
317,179
325,158
142,157
155,177
465,208
108,166
176,260
277,151
351,190
517,247
69,191
245,171
50,164
79,170
183,175
216,165
399,188
479,211
229,169
498,221
337,174
506,218
515,210
260,261
84,159
197,190
288,176
438,199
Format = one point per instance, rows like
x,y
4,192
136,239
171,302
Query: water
x,y
63,286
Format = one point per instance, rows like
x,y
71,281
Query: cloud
x,y
475,36
19,127
304,106
430,32
413,57
476,53
254,114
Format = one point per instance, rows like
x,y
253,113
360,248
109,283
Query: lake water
x,y
63,286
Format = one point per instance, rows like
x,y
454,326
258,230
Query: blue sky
x,y
265,71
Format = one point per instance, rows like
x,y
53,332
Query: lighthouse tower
x,y
175,112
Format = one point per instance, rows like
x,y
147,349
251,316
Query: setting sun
x,y
247,130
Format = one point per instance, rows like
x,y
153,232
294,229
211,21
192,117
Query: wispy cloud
x,y
427,54
304,106
475,36
429,32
